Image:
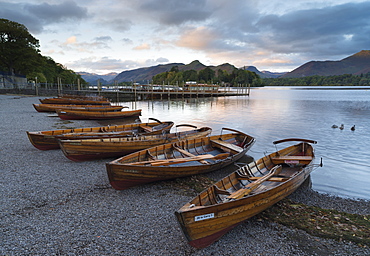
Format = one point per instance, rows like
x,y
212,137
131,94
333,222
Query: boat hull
x,y
244,210
47,140
91,149
54,107
125,177
123,174
76,101
210,215
96,115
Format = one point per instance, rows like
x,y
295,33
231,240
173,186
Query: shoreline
x,y
53,206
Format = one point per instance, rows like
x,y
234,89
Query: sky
x,y
100,37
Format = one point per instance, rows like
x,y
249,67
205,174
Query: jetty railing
x,y
131,92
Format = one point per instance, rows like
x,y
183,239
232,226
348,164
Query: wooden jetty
x,y
117,93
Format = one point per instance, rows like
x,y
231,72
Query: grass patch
x,y
321,222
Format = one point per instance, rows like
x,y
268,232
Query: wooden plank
x,y
187,153
255,184
228,145
180,160
277,179
146,128
292,159
220,191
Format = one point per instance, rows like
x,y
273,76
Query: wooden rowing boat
x,y
45,140
53,107
76,96
77,101
180,159
96,115
245,193
90,149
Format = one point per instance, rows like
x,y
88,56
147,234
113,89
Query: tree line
x,y
20,55
238,77
346,79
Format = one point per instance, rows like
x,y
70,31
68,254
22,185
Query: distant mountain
x,y
145,74
263,74
142,75
226,67
195,65
354,64
93,78
268,74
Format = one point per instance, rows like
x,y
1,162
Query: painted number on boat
x,y
132,171
204,217
292,161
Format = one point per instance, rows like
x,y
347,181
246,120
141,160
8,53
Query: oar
x,y
181,160
125,133
186,153
252,186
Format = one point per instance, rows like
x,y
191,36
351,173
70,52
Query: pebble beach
x,y
51,205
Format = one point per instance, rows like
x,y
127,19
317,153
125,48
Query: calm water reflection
x,y
275,113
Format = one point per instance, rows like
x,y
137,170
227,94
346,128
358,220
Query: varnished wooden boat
x,y
45,140
75,96
53,107
180,159
96,115
90,149
245,193
77,101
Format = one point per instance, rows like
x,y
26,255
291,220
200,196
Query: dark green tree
x,y
18,48
206,75
190,75
175,69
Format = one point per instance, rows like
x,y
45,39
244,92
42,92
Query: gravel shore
x,y
53,206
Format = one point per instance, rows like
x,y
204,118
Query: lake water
x,y
273,113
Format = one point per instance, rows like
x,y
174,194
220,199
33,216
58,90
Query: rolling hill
x,y
93,78
355,64
147,73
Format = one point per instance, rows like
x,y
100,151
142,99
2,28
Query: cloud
x,y
103,39
236,32
162,60
116,24
317,33
37,16
72,40
126,40
100,65
56,13
174,12
200,38
253,32
72,44
144,46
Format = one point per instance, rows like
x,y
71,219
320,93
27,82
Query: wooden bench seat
x,y
292,159
276,179
227,145
146,128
